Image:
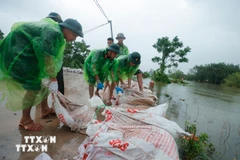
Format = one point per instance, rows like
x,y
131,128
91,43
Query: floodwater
x,y
214,109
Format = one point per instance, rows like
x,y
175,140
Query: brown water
x,y
213,108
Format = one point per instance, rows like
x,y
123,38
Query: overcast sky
x,y
211,28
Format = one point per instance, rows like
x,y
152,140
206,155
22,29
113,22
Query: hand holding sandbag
x,y
100,85
118,89
53,87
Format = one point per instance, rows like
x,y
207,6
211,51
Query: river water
x,y
213,108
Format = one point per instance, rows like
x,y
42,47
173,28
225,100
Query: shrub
x,y
157,76
233,80
195,147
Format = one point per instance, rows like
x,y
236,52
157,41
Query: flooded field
x,y
213,108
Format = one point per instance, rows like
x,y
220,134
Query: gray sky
x,y
210,27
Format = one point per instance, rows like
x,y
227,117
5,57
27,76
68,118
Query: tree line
x,y
214,73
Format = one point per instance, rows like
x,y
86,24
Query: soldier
x,y
97,65
31,52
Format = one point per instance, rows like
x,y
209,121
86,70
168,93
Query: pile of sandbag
x,y
131,98
74,70
132,128
132,134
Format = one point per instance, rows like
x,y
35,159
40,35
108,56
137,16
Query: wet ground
x,y
67,142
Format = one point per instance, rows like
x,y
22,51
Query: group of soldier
x,y
33,51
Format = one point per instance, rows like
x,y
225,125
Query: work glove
x,y
100,85
118,89
53,87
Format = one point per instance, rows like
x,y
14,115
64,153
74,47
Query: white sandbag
x,y
151,116
130,106
92,129
75,116
82,117
95,102
87,151
61,112
135,99
131,96
160,110
43,156
129,142
50,101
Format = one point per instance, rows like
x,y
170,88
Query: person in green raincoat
x,y
97,65
31,52
109,42
125,51
123,48
57,18
124,68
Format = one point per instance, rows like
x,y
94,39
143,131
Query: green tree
x,y
146,74
214,73
1,35
233,80
176,74
158,76
75,54
171,53
190,75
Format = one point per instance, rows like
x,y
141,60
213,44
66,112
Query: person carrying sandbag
x,y
97,65
124,68
31,52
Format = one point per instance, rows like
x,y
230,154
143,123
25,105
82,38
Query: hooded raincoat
x,y
31,52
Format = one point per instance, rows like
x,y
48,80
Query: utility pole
x,y
111,28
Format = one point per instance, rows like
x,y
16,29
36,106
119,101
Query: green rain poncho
x,y
122,69
31,52
123,50
97,64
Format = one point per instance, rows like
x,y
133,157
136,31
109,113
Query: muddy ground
x,y
67,142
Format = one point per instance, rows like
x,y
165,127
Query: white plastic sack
x,y
135,99
43,156
129,142
130,106
95,102
131,96
82,117
75,116
87,151
152,116
61,112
